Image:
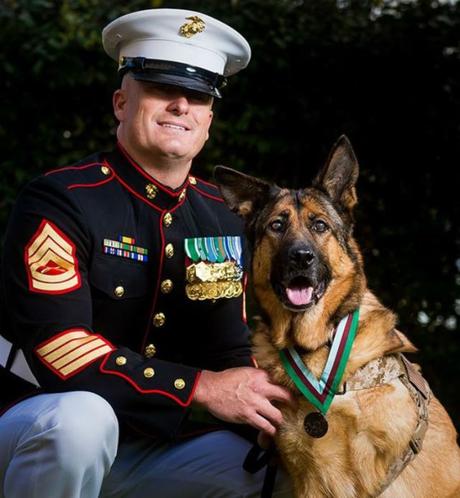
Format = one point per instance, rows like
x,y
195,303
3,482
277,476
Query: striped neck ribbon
x,y
320,392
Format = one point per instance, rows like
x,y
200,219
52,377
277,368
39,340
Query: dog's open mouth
x,y
299,293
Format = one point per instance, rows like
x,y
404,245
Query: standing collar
x,y
135,179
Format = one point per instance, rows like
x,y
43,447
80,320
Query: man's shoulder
x,y
205,189
92,170
210,197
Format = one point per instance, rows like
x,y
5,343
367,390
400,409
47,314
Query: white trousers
x,y
66,446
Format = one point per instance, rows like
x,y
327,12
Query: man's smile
x,y
174,125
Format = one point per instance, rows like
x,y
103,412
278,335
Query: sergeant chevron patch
x,y
71,351
51,262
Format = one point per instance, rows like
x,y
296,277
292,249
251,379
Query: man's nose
x,y
180,105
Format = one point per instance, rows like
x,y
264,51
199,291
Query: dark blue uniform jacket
x,y
95,289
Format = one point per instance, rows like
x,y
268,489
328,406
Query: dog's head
x,y
302,240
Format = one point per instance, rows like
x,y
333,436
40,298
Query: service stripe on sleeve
x,y
51,261
71,351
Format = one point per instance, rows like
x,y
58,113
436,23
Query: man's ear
x,y
338,177
244,194
118,102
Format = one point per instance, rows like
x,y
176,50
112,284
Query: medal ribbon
x,y
214,249
320,392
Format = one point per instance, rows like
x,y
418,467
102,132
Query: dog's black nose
x,y
302,256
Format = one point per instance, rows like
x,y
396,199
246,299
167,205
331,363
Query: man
x,y
122,293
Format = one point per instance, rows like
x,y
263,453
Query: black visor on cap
x,y
173,73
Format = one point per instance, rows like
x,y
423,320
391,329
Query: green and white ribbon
x,y
320,392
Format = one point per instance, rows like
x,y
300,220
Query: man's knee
x,y
79,428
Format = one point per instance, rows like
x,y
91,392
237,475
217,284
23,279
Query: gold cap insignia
x,y
189,29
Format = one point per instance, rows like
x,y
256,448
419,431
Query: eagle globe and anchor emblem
x,y
193,27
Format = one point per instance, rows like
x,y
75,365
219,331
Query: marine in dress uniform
x,y
116,284
121,286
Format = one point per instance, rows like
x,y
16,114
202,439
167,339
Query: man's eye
x,y
319,226
277,226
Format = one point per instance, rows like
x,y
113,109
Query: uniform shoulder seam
x,y
70,168
83,182
207,194
208,184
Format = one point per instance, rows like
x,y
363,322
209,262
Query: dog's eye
x,y
277,226
319,226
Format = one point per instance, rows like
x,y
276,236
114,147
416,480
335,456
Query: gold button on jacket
x,y
169,250
150,351
120,361
179,384
166,286
151,190
159,320
119,291
149,372
105,170
167,220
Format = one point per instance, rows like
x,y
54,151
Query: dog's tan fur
x,y
368,429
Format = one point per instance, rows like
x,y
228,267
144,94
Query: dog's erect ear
x,y
339,175
243,194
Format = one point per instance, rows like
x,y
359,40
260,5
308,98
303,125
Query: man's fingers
x,y
270,412
262,424
279,393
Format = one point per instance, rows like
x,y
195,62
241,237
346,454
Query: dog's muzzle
x,y
300,277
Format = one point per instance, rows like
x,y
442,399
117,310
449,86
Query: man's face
x,y
160,122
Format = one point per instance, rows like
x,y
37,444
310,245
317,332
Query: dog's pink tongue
x,y
299,296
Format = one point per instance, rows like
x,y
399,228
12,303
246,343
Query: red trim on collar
x,y
148,177
127,187
154,206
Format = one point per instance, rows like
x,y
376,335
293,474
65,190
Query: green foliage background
x,y
384,72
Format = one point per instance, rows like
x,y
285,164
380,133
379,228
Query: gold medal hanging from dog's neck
x,y
320,392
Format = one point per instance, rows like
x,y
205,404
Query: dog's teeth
x,y
300,296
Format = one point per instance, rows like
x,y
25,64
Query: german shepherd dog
x,y
384,433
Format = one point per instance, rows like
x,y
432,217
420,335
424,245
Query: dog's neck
x,y
308,330
313,331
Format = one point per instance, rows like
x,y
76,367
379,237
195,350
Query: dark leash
x,y
257,459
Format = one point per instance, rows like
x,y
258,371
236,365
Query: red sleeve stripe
x,y
71,351
136,386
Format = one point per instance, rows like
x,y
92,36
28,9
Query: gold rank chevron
x,y
51,261
71,351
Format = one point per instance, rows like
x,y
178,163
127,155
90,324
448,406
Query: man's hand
x,y
242,395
